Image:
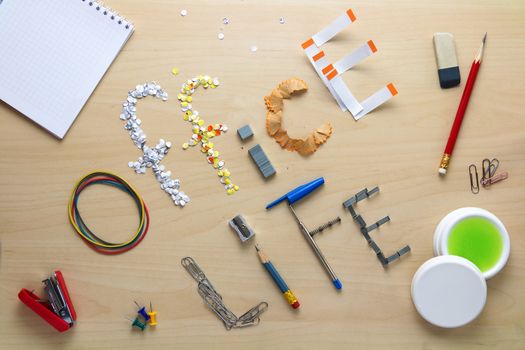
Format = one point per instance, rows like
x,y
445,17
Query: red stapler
x,y
58,310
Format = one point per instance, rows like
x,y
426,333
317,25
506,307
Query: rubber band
x,y
89,237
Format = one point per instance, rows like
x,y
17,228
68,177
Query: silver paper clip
x,y
489,168
474,179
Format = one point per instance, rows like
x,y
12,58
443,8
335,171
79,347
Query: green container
x,y
478,240
474,234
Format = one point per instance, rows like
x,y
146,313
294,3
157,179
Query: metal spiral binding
x,y
113,15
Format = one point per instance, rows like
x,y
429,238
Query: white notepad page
x,y
53,53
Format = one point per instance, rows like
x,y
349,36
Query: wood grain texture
x,y
397,147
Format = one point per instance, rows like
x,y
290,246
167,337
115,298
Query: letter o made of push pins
x,y
151,157
202,133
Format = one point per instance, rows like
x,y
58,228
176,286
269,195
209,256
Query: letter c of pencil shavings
x,y
274,103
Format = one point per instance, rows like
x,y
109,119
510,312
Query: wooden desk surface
x,y
396,147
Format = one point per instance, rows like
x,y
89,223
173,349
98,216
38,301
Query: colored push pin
x,y
142,311
136,323
152,316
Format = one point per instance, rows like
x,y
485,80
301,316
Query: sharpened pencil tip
x,y
257,247
480,50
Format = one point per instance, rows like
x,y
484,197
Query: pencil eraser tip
x,y
442,171
296,304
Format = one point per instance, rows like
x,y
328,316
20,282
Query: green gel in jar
x,y
478,240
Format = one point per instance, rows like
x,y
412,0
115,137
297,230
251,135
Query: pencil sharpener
x,y
240,226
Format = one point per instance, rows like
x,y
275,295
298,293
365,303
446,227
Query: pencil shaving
x,y
274,103
273,122
293,85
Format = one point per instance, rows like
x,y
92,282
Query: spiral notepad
x,y
54,54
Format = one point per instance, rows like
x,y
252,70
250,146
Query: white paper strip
x,y
377,99
313,51
334,28
345,95
355,57
330,74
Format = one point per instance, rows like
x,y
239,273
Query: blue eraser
x,y
338,285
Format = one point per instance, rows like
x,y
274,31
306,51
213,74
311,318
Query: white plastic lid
x,y
449,291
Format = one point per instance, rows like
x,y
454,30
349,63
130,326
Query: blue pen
x,y
294,196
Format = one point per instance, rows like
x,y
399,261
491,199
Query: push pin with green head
x,y
136,323
152,316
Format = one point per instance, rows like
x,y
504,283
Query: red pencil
x,y
461,109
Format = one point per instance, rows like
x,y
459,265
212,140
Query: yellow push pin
x,y
152,316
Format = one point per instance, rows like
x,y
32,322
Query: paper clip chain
x,y
214,300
